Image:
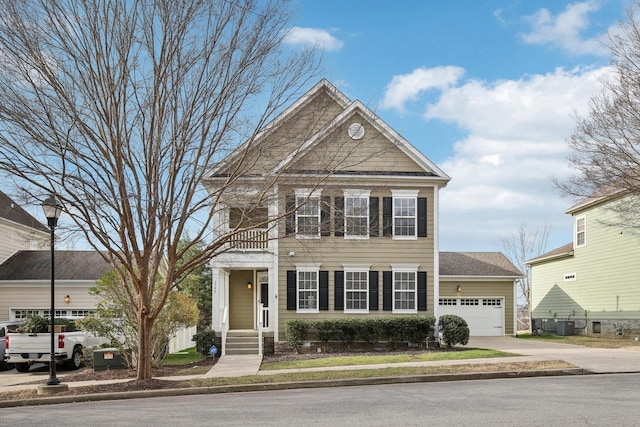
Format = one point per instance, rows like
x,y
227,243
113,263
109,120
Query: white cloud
x,y
516,142
408,87
565,29
313,37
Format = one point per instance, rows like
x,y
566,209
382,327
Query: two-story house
x,y
333,213
25,269
591,282
19,230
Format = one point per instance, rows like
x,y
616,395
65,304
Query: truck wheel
x,y
22,367
76,359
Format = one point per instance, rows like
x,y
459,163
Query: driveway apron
x,y
597,360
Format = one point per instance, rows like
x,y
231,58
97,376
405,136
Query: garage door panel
x,y
484,319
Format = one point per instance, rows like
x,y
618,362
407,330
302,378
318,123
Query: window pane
x,y
356,216
356,290
307,290
404,212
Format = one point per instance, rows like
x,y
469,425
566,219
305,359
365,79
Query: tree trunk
x,y
145,346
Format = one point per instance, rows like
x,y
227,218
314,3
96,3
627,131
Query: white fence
x,y
182,340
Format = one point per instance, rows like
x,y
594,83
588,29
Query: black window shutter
x,y
338,216
325,216
323,304
422,217
387,290
373,290
422,291
290,224
338,295
291,290
374,217
387,216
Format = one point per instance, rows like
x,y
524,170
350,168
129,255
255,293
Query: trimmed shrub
x,y
454,330
296,332
204,340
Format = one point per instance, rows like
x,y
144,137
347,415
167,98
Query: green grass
x,y
384,372
597,341
384,358
190,356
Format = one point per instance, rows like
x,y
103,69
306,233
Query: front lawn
x,y
597,341
369,359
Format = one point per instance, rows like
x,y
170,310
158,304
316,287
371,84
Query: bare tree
x,y
119,107
605,146
521,246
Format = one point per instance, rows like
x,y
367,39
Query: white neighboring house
x,y
25,283
19,230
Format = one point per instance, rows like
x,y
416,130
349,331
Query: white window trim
x,y
308,267
404,268
308,194
584,232
404,194
355,194
356,268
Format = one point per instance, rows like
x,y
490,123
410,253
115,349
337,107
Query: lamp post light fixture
x,y
52,210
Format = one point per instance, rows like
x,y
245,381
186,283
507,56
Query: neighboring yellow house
x,y
362,239
589,286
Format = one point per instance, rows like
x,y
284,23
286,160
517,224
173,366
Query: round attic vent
x,y
356,131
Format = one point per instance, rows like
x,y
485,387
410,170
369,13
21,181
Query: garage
x,y
484,315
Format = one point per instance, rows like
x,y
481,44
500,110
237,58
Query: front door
x,y
241,292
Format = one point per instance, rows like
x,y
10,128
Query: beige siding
x,y
14,237
241,300
289,137
606,276
39,297
374,152
332,252
481,288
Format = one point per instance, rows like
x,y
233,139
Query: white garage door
x,y
485,316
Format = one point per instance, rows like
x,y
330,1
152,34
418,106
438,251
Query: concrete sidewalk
x,y
596,360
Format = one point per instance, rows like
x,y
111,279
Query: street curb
x,y
190,391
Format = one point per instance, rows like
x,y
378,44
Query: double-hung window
x,y
405,289
405,214
356,289
308,214
581,231
356,214
307,289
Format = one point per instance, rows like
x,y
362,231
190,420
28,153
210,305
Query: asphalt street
x,y
591,400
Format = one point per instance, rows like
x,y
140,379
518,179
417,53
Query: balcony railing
x,y
254,239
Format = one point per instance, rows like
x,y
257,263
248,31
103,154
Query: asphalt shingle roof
x,y
562,250
70,265
13,212
490,264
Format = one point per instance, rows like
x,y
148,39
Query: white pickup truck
x,y
25,349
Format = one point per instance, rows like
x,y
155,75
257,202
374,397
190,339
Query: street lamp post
x,y
52,210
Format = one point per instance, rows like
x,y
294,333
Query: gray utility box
x,y
566,327
107,358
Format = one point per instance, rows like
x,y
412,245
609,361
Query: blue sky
x,y
486,89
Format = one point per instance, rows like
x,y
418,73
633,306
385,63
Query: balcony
x,y
256,239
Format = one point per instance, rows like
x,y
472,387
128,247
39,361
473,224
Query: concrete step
x,y
242,333
240,351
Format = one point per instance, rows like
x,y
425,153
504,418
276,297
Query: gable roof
x,y
561,252
477,264
11,211
70,265
430,168
348,109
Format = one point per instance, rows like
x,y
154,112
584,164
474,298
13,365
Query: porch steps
x,y
242,342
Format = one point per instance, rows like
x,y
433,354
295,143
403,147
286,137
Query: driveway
x,y
597,360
